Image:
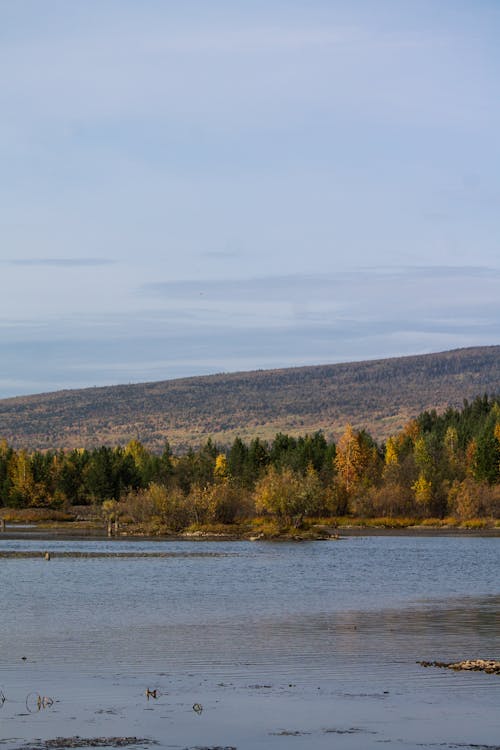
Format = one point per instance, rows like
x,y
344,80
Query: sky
x,y
190,187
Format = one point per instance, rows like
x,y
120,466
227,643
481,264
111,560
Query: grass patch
x,y
386,522
476,523
432,522
35,515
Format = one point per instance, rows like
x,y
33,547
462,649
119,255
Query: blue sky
x,y
193,187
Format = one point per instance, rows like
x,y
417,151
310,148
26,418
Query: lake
x,y
275,645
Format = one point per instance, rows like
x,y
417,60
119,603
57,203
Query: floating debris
x,y
65,743
198,708
30,554
351,730
462,745
490,666
329,730
152,693
36,702
260,687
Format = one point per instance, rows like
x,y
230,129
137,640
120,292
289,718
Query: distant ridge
x,y
379,395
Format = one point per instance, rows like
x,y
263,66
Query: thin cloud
x,y
60,262
220,254
265,287
310,286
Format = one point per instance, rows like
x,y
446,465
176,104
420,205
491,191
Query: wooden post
x,y
2,524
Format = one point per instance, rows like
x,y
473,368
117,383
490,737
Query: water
x,y
283,645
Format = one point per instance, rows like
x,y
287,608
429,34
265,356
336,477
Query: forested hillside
x,y
437,466
379,396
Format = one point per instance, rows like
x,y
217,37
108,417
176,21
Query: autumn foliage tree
x,y
357,464
348,459
287,496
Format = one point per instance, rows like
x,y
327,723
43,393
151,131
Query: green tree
x,y
71,477
5,480
237,460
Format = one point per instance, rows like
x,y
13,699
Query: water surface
x,y
283,645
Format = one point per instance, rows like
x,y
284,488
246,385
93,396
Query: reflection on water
x,y
287,637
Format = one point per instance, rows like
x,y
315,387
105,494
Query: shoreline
x,y
47,532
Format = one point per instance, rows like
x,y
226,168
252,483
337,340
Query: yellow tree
x,y
142,459
423,492
21,478
221,469
349,458
464,498
451,442
4,448
280,494
423,458
471,457
391,468
391,453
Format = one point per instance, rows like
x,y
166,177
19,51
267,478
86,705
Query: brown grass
x,y
34,515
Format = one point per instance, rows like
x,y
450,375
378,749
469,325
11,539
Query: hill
x,y
379,395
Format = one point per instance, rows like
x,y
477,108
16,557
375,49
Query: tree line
x,y
437,465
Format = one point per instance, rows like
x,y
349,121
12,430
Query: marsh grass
x,y
476,523
35,515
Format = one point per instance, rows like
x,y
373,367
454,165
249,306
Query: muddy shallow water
x,y
309,645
